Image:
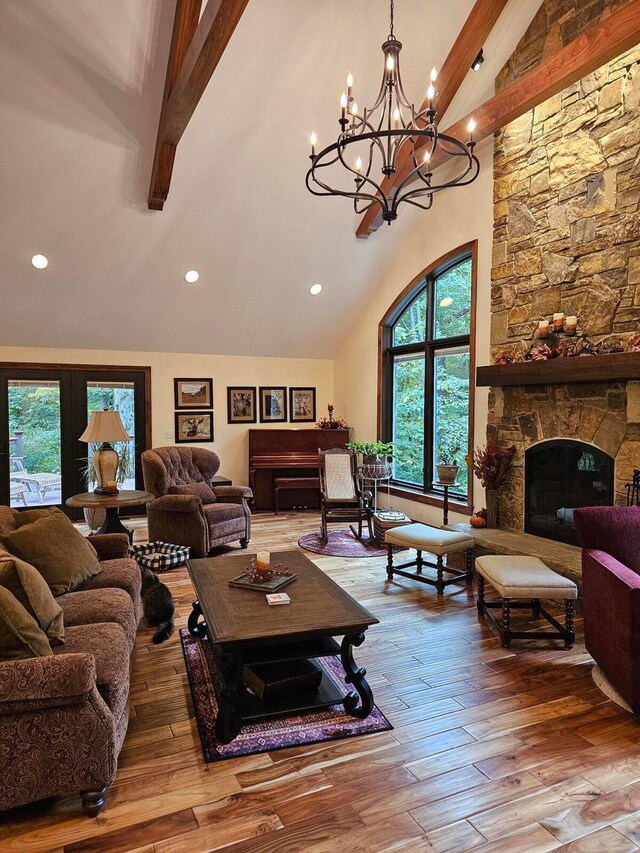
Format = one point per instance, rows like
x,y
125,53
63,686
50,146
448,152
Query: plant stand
x,y
445,501
376,473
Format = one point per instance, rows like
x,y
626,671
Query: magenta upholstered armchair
x,y
610,538
188,509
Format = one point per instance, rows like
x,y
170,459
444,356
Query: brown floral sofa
x,y
63,718
188,510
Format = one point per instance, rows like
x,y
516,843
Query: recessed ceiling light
x,y
192,276
40,262
444,303
315,289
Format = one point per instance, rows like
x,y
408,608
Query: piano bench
x,y
293,483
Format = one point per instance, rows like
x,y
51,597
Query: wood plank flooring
x,y
492,750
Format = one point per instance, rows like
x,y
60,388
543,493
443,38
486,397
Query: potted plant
x,y
376,456
95,517
448,464
491,466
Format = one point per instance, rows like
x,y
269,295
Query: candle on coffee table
x,y
263,561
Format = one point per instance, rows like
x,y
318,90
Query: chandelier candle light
x,y
372,139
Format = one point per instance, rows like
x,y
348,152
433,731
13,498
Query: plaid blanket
x,y
159,556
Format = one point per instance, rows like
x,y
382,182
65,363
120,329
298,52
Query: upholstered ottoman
x,y
422,537
527,580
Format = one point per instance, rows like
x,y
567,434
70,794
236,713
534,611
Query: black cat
x,y
158,605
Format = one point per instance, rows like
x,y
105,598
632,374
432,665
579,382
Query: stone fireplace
x,y
604,416
559,475
567,239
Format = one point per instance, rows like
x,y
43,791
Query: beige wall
x,y
230,440
457,216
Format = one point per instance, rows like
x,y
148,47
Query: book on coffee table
x,y
243,582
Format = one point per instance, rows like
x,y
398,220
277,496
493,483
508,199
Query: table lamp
x,y
104,427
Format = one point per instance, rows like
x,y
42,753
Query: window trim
x,y
402,301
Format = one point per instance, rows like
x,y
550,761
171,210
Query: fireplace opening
x,y
559,476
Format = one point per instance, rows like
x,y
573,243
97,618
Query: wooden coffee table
x,y
243,630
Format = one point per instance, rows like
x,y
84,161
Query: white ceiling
x,y
82,82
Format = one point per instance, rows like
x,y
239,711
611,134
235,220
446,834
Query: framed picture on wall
x,y
193,393
302,405
273,404
241,405
192,427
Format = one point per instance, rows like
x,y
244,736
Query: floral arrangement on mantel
x,y
539,350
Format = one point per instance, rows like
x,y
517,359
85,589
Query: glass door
x,y
36,464
123,392
42,414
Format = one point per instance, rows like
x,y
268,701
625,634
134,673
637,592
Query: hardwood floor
x,y
492,750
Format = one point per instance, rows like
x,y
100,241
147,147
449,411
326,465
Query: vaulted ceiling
x,y
82,84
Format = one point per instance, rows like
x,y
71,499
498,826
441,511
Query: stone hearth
x,y
562,558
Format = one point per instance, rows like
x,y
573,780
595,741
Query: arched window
x,y
426,373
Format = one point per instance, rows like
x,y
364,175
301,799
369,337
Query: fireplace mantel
x,y
615,367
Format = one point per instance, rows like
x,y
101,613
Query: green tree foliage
x,y
35,411
449,432
451,415
410,328
408,418
453,301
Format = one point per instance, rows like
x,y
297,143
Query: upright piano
x,y
287,453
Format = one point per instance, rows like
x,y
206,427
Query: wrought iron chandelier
x,y
375,139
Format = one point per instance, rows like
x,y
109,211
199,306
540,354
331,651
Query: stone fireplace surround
x,y
604,414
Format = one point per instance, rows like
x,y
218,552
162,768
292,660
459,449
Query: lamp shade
x,y
105,426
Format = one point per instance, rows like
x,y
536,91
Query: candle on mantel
x,y
263,561
543,329
558,321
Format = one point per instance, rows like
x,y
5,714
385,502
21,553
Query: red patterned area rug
x,y
342,543
268,735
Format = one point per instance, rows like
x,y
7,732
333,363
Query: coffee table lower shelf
x,y
254,709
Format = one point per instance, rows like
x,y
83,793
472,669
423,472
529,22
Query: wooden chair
x,y
341,498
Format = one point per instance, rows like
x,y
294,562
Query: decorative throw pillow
x,y
200,490
28,586
20,634
28,516
58,551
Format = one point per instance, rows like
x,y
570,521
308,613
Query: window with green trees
x,y
426,367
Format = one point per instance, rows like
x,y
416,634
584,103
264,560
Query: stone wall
x,y
566,191
567,238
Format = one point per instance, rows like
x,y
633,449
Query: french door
x,y
43,410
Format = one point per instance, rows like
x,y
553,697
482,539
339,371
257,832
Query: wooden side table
x,y
112,504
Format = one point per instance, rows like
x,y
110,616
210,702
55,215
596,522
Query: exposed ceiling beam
x,y
185,24
196,49
466,47
595,47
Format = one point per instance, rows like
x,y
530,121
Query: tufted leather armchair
x,y
183,519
